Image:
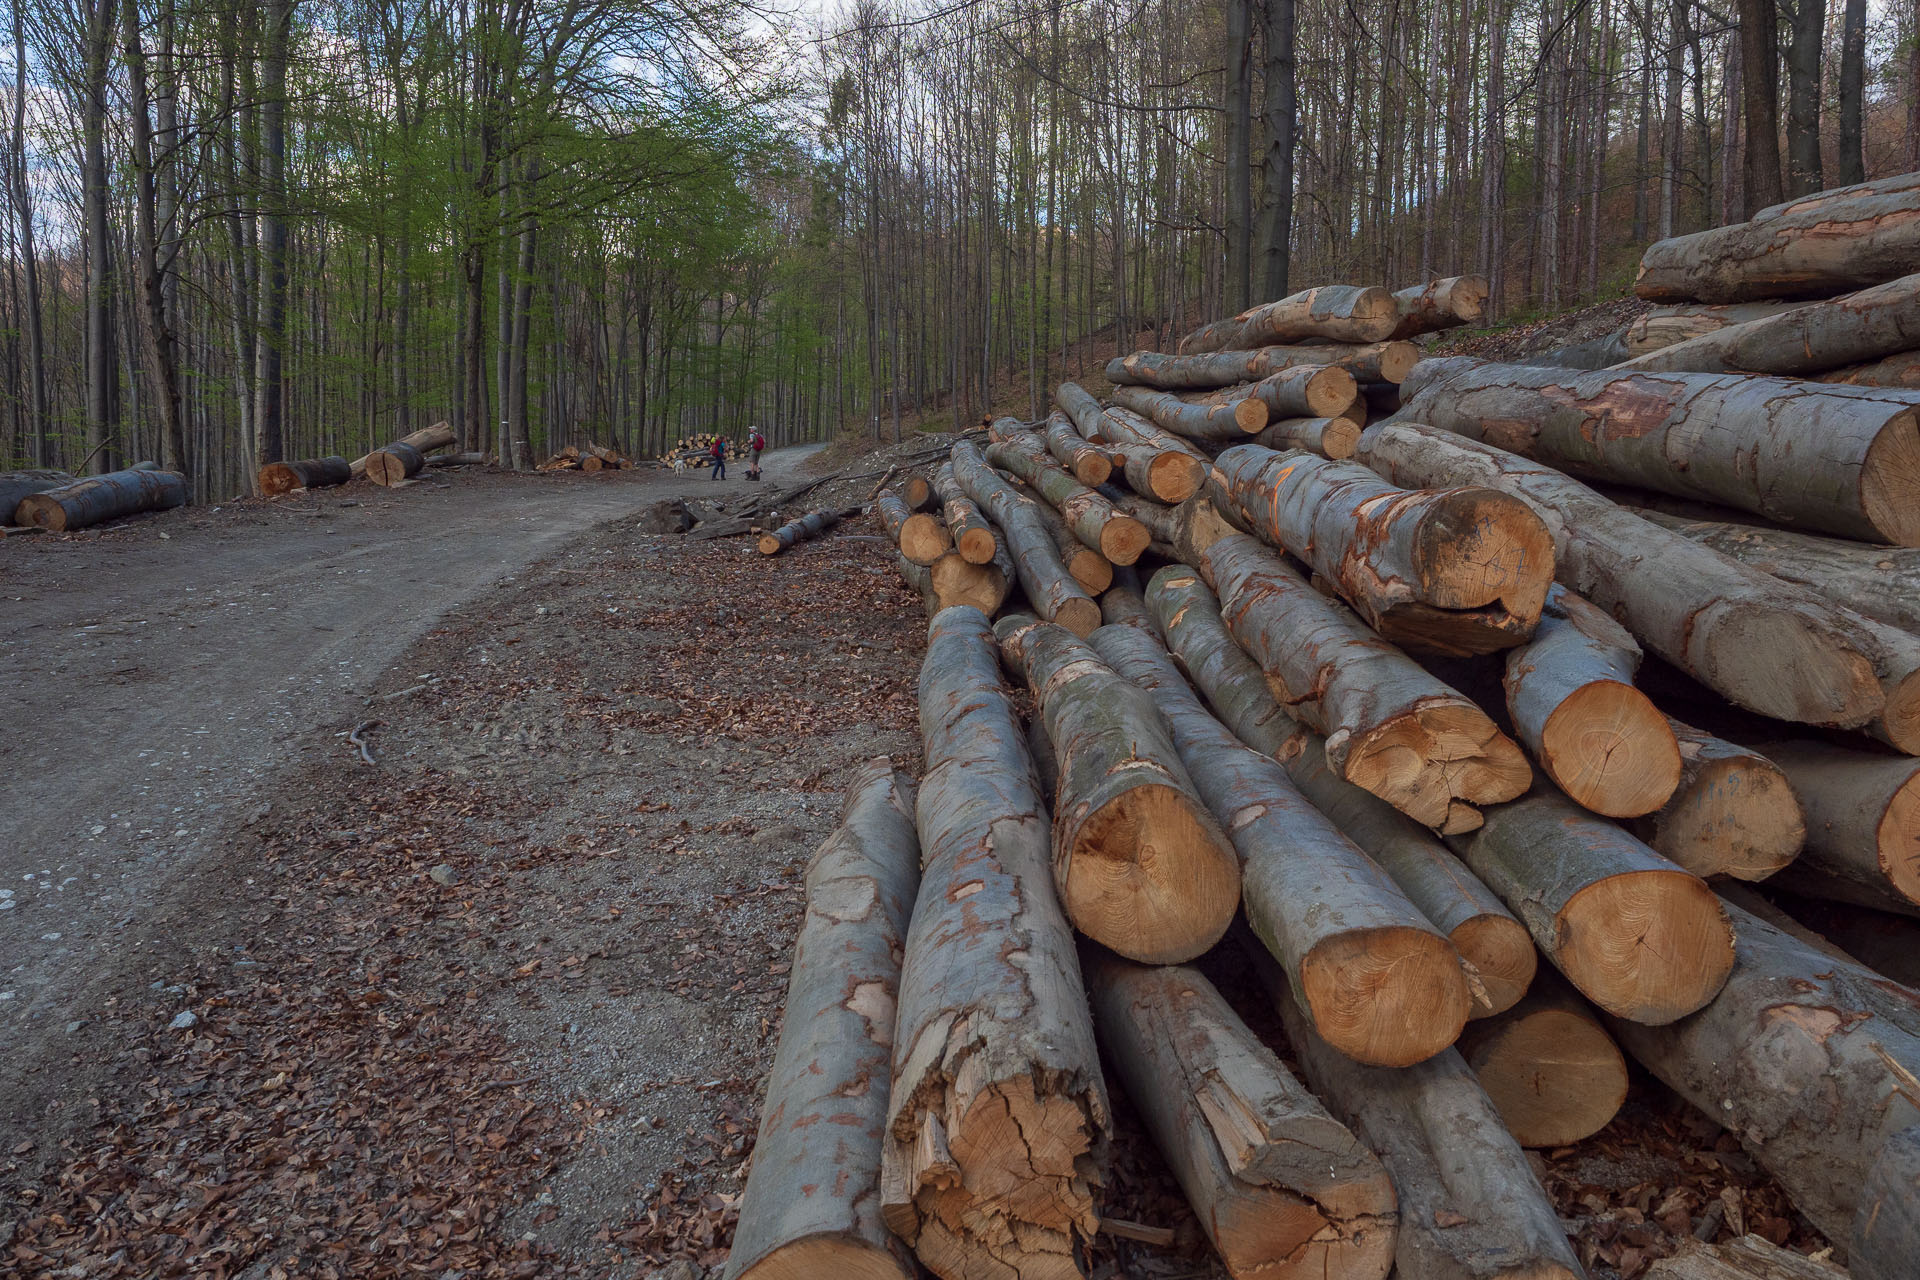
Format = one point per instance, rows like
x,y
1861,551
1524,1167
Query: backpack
x,y
759,441
719,449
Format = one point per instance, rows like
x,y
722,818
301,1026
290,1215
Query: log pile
x,y
1479,755
586,457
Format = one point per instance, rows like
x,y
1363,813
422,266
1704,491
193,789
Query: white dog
x,y
680,466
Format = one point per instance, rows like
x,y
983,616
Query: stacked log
x,y
1548,1066
1094,520
967,529
1048,586
1837,333
96,499
393,458
921,537
1336,313
1733,812
1443,304
1216,422
1332,438
1663,326
15,485
1376,362
1156,463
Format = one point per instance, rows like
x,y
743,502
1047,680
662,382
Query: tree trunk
x,y
1118,537
1571,696
1458,571
1443,304
1141,867
1089,465
156,331
958,581
1760,90
972,536
1212,423
389,465
997,1125
22,193
1336,313
1281,1188
1238,106
1093,571
1813,248
794,532
1391,728
16,485
1663,326
425,440
1638,936
1381,984
1812,339
270,333
921,536
100,498
811,1205
1732,814
102,393
1549,1066
1279,106
1371,362
1049,587
1331,438
1804,1058
277,478
1470,1205
1806,39
1851,159
1481,929
1862,811
1832,459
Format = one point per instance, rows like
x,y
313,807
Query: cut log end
x,y
1485,547
1552,1071
1250,415
1175,477
958,581
769,545
1080,615
1388,997
1647,946
1339,438
1092,468
1735,816
976,546
1397,360
815,1256
924,538
1813,681
1123,539
1164,888
1611,750
1331,391
1895,840
1890,480
277,478
1503,956
1444,757
1093,571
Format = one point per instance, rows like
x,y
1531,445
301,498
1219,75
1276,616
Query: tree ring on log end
x,y
1079,615
1387,997
1610,749
1445,751
1897,838
1814,683
841,1258
277,478
1147,877
1737,817
977,545
1123,539
1890,480
1647,946
1174,477
1482,548
1502,951
1554,1075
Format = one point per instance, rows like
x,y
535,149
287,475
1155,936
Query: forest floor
x,y
502,1003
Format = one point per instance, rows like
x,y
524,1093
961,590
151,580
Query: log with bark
x,y
1830,459
1281,1188
920,578
1123,602
99,498
1851,329
997,1125
1470,1205
472,458
1155,464
1303,391
277,478
1140,863
1900,371
1638,936
1884,942
1549,1066
1372,362
1806,1059
1381,983
957,580
1663,326
921,536
1733,812
1480,927
1049,587
1088,418
1811,248
393,463
1391,728
1886,1226
1335,313
1443,304
794,532
1763,644
1093,571
1332,438
1749,1257
1216,423
1094,520
15,485
1456,571
811,1205
423,441
1570,693
969,531
1863,824
1089,463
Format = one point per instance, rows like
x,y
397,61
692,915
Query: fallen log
x,y
100,498
1302,391
1442,304
997,1124
1156,464
1049,587
1088,418
1457,571
811,1205
1805,341
1114,534
1733,812
1089,464
1093,571
15,485
916,492
1281,1188
1570,693
389,465
472,458
1381,984
1470,1205
1391,728
1900,371
1480,927
1832,459
277,478
1806,1059
1335,313
1761,643
969,531
1809,248
1663,326
1372,362
1332,438
425,440
793,532
1548,1064
1638,936
921,536
1140,864
1863,823
920,578
1215,423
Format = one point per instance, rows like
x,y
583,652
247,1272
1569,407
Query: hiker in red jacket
x,y
719,454
755,444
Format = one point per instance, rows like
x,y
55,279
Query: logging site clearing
x,y
1349,791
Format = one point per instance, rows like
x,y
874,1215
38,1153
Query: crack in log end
x,y
1649,946
1388,997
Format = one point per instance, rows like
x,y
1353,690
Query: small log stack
x,y
402,459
